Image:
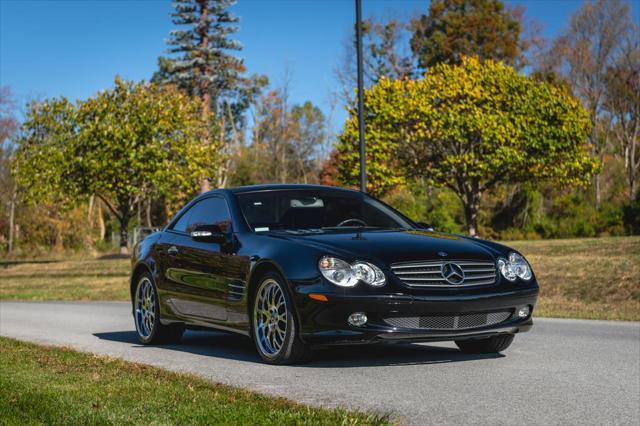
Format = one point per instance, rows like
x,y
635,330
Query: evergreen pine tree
x,y
201,62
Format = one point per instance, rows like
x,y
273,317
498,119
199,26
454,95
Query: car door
x,y
195,271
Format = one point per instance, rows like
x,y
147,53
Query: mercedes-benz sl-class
x,y
301,266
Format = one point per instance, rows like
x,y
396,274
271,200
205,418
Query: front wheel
x,y
492,344
274,327
146,313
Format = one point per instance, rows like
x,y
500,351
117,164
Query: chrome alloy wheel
x,y
145,304
270,318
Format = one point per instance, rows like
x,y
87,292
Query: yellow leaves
x,y
123,141
480,118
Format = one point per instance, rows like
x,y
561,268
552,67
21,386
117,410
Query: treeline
x,y
474,124
444,158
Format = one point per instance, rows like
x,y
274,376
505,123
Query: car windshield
x,y
316,209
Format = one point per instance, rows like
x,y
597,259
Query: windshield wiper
x,y
333,228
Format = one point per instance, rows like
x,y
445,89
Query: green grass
x,y
45,385
597,278
93,279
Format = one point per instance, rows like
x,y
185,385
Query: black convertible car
x,y
300,266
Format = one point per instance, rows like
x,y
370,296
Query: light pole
x,y
363,170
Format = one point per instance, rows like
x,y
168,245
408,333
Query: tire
x,y
146,315
274,327
492,344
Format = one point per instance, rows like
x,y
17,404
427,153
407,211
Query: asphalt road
x,y
562,372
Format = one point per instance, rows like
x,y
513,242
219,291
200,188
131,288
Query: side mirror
x,y
208,234
424,225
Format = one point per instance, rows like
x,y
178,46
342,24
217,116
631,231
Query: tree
x,y
457,28
622,101
584,53
8,192
384,170
386,54
287,141
122,145
307,138
469,127
202,64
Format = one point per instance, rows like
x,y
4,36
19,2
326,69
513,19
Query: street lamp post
x,y
363,174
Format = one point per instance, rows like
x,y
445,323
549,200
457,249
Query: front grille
x,y
429,273
450,322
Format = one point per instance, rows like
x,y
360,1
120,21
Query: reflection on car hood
x,y
395,246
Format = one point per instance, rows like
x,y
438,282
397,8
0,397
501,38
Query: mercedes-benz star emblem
x,y
452,273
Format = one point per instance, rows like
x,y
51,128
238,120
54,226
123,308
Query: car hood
x,y
398,246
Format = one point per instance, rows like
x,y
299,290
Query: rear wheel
x,y
492,344
274,328
146,313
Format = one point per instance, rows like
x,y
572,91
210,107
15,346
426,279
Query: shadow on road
x,y
240,348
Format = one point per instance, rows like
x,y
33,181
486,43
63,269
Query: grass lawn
x,y
94,279
597,278
45,385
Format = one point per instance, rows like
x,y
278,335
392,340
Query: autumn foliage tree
x,y
623,103
585,55
456,28
287,142
122,145
469,127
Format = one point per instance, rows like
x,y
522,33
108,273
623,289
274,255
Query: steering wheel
x,y
353,220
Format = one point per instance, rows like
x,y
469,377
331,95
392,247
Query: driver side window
x,y
210,211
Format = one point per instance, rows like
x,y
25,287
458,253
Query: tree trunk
x,y
205,185
12,218
471,204
124,233
101,227
90,210
598,190
595,149
88,237
633,167
59,240
148,213
203,84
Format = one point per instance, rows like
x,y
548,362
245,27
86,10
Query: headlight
x,y
514,267
343,274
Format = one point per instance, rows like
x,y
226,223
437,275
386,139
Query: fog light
x,y
357,319
523,312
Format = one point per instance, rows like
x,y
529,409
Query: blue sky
x,y
74,48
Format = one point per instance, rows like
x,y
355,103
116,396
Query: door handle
x,y
173,250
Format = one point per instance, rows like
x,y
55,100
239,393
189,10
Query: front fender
x,y
142,260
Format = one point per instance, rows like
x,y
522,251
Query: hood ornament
x,y
442,254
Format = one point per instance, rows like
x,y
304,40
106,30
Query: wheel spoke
x,y
270,317
145,309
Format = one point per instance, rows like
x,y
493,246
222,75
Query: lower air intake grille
x,y
450,322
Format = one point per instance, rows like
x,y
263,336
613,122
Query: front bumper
x,y
325,323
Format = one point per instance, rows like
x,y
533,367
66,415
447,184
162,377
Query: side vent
x,y
236,290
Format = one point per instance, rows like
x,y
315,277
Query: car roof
x,y
273,187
